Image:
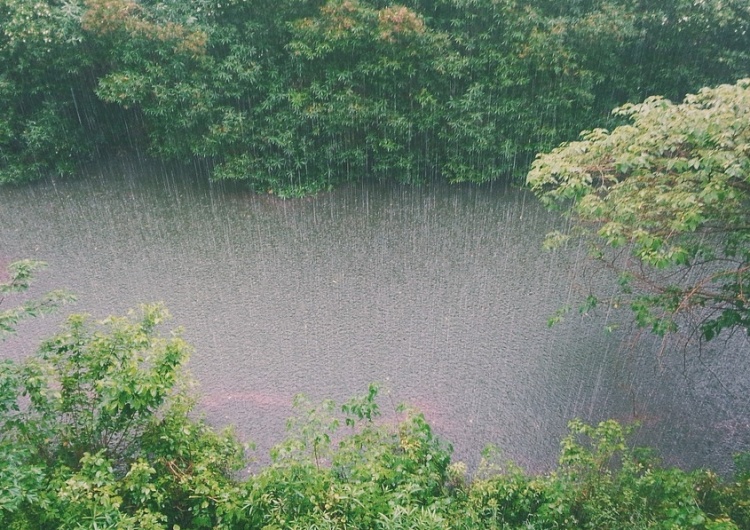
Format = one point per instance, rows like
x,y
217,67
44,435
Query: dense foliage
x,y
102,437
295,95
96,431
664,201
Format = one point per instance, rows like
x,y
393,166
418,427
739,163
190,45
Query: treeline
x,y
297,95
96,431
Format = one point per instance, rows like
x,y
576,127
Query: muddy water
x,y
441,294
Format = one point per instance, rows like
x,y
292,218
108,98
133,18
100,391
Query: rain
x,y
439,293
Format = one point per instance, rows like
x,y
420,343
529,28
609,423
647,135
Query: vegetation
x,y
96,431
103,439
663,200
20,274
296,95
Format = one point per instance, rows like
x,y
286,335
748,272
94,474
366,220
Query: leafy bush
x,y
96,431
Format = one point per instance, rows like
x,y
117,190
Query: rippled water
x,y
441,294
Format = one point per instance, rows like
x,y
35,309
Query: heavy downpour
x,y
444,264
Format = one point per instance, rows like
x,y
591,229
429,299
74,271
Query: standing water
x,y
441,294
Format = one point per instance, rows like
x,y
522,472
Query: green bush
x,y
96,431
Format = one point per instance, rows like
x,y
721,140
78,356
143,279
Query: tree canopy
x,y
95,432
295,96
664,201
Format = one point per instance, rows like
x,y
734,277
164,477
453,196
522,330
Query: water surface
x,y
441,294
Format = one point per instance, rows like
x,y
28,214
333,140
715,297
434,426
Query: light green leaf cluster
x,y
673,187
20,275
96,432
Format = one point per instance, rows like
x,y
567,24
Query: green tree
x,y
664,201
367,86
20,276
293,96
49,116
95,431
374,475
